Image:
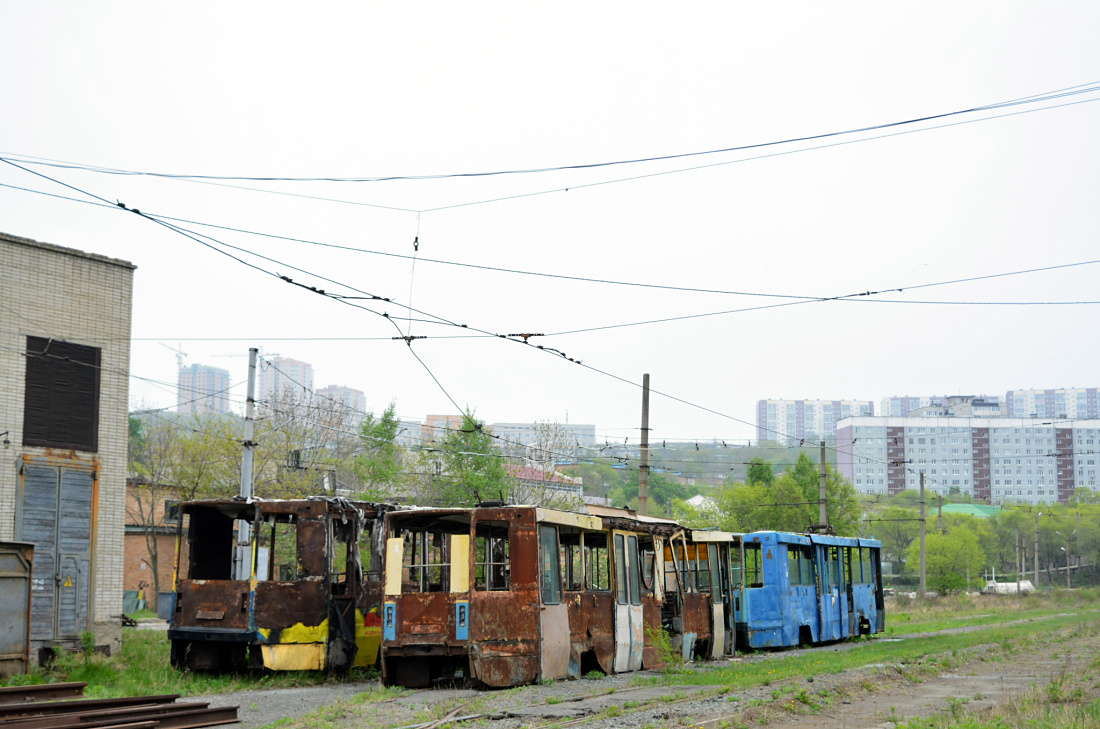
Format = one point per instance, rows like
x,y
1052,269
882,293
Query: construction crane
x,y
180,354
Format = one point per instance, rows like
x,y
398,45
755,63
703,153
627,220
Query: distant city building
x,y
436,428
1071,402
936,405
285,377
203,389
573,436
991,459
409,433
791,421
349,397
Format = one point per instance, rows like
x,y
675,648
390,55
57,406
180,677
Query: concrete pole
x,y
1067,564
923,576
643,468
1036,551
822,505
1018,561
244,533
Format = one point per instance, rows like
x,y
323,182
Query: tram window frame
x,y
702,575
597,562
432,573
647,557
492,557
735,566
754,565
833,560
633,570
621,582
806,563
549,565
282,544
343,556
571,559
794,570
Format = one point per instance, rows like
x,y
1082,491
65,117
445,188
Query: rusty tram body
x,y
499,595
299,591
506,595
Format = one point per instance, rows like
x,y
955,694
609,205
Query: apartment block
x,y
284,378
202,390
991,459
791,421
64,389
1066,403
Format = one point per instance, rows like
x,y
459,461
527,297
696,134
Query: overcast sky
x,y
411,89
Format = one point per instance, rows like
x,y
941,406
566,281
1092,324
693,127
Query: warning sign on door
x,y
68,582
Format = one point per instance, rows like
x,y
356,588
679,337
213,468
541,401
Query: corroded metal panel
x,y
651,609
697,615
282,604
212,604
555,654
592,627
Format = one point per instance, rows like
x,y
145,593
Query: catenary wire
x,y
1034,98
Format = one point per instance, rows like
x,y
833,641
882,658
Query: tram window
x,y
648,558
632,570
671,585
834,567
365,548
702,568
794,572
343,556
754,566
572,565
735,566
492,559
597,562
426,566
550,569
620,570
806,565
868,577
284,551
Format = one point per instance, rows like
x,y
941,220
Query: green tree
x,y
896,528
790,503
950,559
379,464
471,469
661,489
760,471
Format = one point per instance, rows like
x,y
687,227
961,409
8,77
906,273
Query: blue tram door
x,y
831,597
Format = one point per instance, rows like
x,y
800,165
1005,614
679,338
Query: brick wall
x,y
73,296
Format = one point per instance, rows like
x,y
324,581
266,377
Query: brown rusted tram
x,y
299,591
506,595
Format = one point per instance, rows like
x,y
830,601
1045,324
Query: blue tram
x,y
798,589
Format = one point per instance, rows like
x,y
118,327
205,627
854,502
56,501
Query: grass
x,y
142,668
781,667
924,616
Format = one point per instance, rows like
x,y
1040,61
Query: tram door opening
x,y
629,622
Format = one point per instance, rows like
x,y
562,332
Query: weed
x,y
546,682
554,700
594,675
613,710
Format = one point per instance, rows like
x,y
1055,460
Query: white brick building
x,y
64,370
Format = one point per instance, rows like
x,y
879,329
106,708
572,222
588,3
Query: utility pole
x,y
822,505
643,468
1017,560
244,535
1036,552
923,576
1066,550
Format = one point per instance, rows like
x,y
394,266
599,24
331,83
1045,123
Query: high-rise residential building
x,y
951,406
1067,403
202,389
792,421
436,428
991,459
352,399
282,377
576,435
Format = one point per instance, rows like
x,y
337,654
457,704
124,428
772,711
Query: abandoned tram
x,y
300,591
500,595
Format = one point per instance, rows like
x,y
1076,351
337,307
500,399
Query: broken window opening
x,y
492,557
597,561
754,566
427,562
648,558
572,560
